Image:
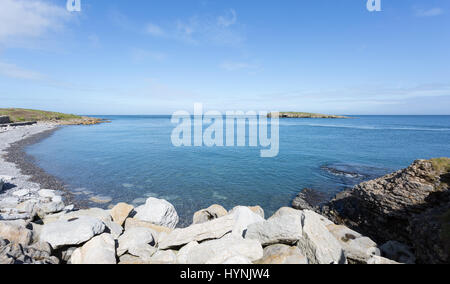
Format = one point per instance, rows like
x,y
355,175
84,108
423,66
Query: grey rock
x,y
133,239
71,232
221,250
284,227
317,243
244,217
214,229
398,252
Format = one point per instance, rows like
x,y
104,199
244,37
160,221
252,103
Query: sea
x,y
133,158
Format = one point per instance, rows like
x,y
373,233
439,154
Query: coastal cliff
x,y
18,116
411,206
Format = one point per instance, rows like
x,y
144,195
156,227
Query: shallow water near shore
x,y
133,158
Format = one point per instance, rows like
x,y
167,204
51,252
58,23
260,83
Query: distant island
x,y
305,115
19,115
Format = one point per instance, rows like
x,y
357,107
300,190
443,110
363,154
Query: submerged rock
x,y
159,212
411,206
309,199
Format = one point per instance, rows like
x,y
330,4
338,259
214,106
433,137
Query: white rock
x,y
219,251
164,257
356,247
21,193
380,260
133,239
239,259
184,252
244,217
72,232
317,243
47,193
99,250
283,227
214,229
159,212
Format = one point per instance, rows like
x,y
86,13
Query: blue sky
x,y
157,57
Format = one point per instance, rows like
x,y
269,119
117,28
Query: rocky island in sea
x,y
306,115
399,218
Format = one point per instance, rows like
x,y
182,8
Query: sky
x,y
158,57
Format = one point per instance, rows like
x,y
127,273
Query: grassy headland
x,y
23,115
306,115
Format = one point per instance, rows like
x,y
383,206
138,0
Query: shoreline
x,y
30,171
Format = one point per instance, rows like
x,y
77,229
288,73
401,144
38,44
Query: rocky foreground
x,y
52,233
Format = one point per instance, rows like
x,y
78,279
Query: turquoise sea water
x,y
132,158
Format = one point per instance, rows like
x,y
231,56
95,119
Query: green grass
x,y
441,165
20,115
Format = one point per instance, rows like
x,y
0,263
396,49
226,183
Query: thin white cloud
x,y
22,19
154,30
227,20
13,71
234,66
139,55
219,30
429,12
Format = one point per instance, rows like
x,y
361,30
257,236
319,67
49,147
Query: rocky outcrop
x,y
411,206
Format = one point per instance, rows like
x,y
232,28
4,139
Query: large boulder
x,y
121,212
98,213
282,254
214,229
159,212
213,212
221,250
183,253
71,232
99,250
15,232
284,227
317,243
135,240
410,206
244,217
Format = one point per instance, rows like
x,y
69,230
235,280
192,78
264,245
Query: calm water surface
x,y
133,158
